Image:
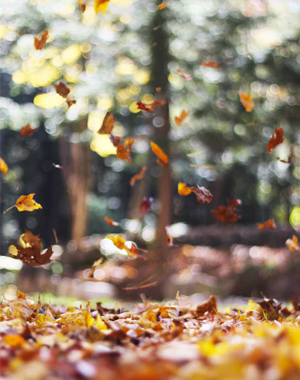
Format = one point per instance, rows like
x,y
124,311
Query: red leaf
x,y
276,139
145,206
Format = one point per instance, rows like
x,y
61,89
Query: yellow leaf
x,y
3,166
101,5
27,203
183,189
100,324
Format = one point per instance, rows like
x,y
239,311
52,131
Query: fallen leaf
x,y
101,5
107,125
162,157
30,253
162,6
40,43
209,306
266,225
203,195
62,89
144,107
145,206
26,203
111,222
184,75
70,102
138,176
95,266
14,340
3,166
212,64
180,119
183,189
246,101
276,139
293,244
27,131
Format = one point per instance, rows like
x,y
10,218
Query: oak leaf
x,y
212,64
276,139
107,125
138,176
266,225
27,131
162,158
246,101
3,166
293,244
62,89
111,222
183,189
180,119
40,43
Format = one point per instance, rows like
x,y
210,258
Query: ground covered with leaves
x,y
173,340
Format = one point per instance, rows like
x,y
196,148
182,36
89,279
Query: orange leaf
x,y
14,340
276,139
268,224
111,222
27,203
157,103
27,131
145,206
293,244
40,43
107,125
234,202
138,176
162,6
3,166
143,107
162,157
246,101
212,64
120,243
70,102
180,119
62,89
203,195
116,140
183,189
184,75
31,254
101,5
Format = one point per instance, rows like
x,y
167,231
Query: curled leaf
x,y
246,101
293,244
111,222
183,189
266,225
203,195
62,89
3,166
180,119
162,157
276,139
27,131
40,43
138,176
107,125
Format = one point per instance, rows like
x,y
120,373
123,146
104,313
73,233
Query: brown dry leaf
x,y
124,150
276,139
40,43
293,244
27,131
111,222
70,102
138,176
225,214
3,166
266,225
212,64
183,189
209,306
107,125
180,119
116,140
162,157
26,203
246,101
30,251
62,89
162,6
203,195
101,5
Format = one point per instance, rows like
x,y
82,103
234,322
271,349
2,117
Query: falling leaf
x,y
27,131
234,202
246,101
111,222
40,43
158,89
107,125
143,107
293,244
116,140
180,119
169,240
120,243
124,150
162,157
184,75
209,306
3,166
138,176
101,5
70,102
288,161
227,214
62,89
30,252
157,103
266,225
162,6
203,195
26,203
212,64
276,139
145,206
183,189
55,235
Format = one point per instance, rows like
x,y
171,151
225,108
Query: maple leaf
x,y
183,189
27,131
40,43
184,75
293,244
107,125
3,166
145,206
203,195
30,253
143,107
276,139
101,5
162,6
246,101
111,222
212,64
138,176
26,203
266,225
180,119
70,102
62,89
162,157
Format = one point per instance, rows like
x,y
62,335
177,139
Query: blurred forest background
x,y
112,60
